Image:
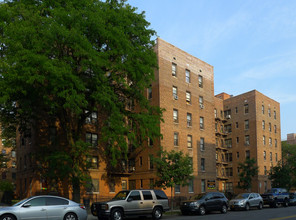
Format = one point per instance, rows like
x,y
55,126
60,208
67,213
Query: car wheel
x,y
286,203
247,207
116,214
275,204
157,213
202,210
224,209
7,217
260,205
70,216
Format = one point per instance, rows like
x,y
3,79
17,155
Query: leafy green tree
x,y
173,168
280,176
62,60
247,171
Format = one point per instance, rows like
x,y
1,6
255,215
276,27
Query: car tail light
x,y
81,206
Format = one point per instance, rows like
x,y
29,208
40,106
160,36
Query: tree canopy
x,y
247,171
60,61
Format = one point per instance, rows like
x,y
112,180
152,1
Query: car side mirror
x,y
27,205
129,199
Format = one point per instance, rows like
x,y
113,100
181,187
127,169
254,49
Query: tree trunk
x,y
76,190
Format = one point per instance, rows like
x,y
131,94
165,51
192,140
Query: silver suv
x,y
132,203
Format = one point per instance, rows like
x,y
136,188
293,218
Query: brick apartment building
x,y
217,132
291,138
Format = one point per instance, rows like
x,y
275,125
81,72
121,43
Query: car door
x,y
134,203
56,207
148,201
34,209
252,200
209,201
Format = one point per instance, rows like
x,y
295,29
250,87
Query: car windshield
x,y
21,202
197,197
242,196
121,195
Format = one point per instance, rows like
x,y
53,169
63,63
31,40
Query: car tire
x,y
7,217
116,214
286,203
247,207
70,216
224,209
260,206
202,210
275,204
157,213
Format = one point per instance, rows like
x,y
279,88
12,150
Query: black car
x,y
292,198
205,202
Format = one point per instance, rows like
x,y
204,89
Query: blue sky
x,y
250,43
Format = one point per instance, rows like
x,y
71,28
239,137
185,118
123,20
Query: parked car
x,y
246,201
276,196
205,202
132,203
292,198
44,207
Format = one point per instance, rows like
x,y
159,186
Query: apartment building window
x,y
246,124
174,69
247,154
141,184
236,124
263,109
175,92
92,118
201,123
151,165
93,186
236,110
177,188
274,129
188,97
276,157
237,155
269,112
187,76
247,140
228,142
229,171
270,156
92,139
200,81
202,144
263,125
202,164
275,142
175,115
264,155
270,142
189,120
216,127
203,186
228,157
269,127
189,141
92,162
274,114
215,112
265,170
112,186
264,141
246,108
237,140
149,91
141,161
190,186
201,103
150,141
176,139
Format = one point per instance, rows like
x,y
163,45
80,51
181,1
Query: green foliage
x,y
6,186
60,61
248,170
284,174
173,168
280,176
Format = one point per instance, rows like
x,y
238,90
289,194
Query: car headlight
x,y
271,196
104,207
241,202
196,204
